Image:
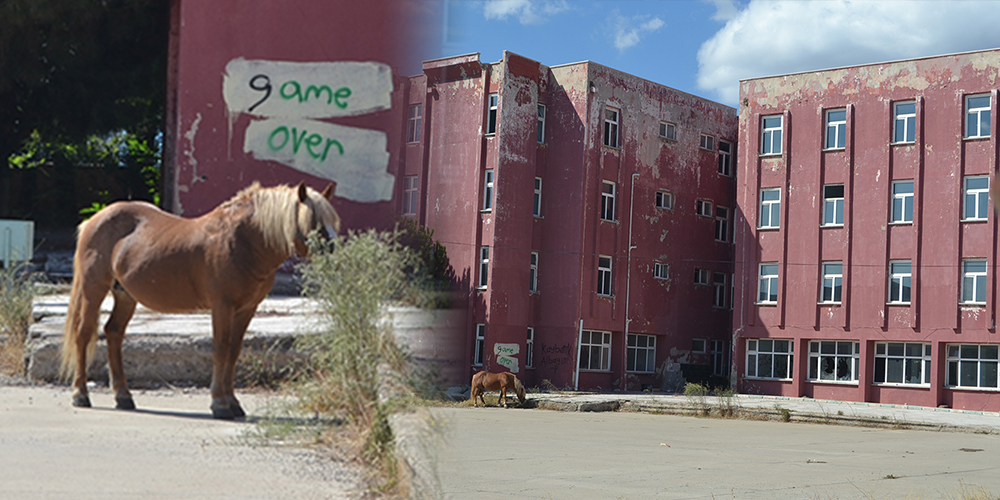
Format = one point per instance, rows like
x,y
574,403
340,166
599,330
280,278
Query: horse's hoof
x,y
223,413
237,411
124,403
82,401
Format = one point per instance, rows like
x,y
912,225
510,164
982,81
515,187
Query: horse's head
x,y
519,388
315,213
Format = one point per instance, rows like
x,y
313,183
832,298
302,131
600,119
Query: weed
x,y
16,296
786,414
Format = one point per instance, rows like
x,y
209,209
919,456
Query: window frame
x,y
831,293
722,224
726,158
633,350
608,201
833,204
707,142
479,352
703,208
484,267
612,127
489,182
981,120
771,135
540,136
979,280
533,273
411,192
603,349
700,276
661,271
661,195
491,115
605,276
903,281
908,121
529,348
981,207
755,351
772,283
904,359
414,122
668,130
770,207
720,358
536,207
839,129
905,201
719,290
817,360
956,357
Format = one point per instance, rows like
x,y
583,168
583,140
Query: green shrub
x,y
16,297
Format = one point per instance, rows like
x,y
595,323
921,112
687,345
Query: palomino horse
x,y
224,261
486,381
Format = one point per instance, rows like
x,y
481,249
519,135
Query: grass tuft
x,y
16,296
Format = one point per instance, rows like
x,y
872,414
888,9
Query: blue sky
x,y
705,47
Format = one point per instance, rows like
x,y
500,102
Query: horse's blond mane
x,y
274,213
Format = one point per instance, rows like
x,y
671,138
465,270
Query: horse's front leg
x,y
228,327
114,330
503,396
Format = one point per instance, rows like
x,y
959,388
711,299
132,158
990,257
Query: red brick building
x,y
866,245
588,211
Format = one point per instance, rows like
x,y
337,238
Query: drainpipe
x,y
628,283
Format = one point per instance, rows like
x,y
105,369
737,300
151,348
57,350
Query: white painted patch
x,y
356,159
280,89
878,174
506,349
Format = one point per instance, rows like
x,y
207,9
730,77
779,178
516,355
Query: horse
x,y
224,261
486,381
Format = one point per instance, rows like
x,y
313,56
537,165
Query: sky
x,y
705,47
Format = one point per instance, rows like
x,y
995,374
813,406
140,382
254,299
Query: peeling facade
x,y
532,235
866,254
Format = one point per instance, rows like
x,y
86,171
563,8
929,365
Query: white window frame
x,y
833,206
720,358
977,119
904,123
700,276
902,202
642,347
767,284
411,185
612,119
533,273
597,343
541,124
699,346
668,131
726,158
480,347
608,201
834,361
978,209
722,224
605,276
413,123
771,349
536,207
833,282
707,142
719,290
974,281
484,266
900,282
904,362
489,181
664,200
961,360
491,116
661,271
836,129
529,348
770,136
772,208
703,208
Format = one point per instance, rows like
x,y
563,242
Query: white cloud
x,y
526,11
768,38
628,31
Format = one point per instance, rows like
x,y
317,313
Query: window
x,y
668,131
834,360
698,346
707,142
541,124
608,201
902,363
767,358
491,125
480,344
484,265
414,115
719,290
974,281
529,349
604,275
767,291
664,199
836,128
833,279
902,202
770,208
595,351
900,274
977,198
641,353
611,127
661,271
536,208
972,365
533,273
721,224
833,205
904,122
488,190
720,358
700,276
725,158
703,208
771,135
977,116
410,195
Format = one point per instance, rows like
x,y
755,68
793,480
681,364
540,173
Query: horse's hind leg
x,y
88,311
114,330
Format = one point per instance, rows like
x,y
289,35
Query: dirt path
x,y
169,448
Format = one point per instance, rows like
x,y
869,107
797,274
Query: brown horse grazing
x,y
486,381
224,261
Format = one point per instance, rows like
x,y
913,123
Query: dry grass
x,y
16,296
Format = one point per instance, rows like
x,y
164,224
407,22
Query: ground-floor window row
x,y
968,366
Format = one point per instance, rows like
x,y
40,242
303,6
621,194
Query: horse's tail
x,y
75,319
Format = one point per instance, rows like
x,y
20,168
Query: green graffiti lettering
x,y
312,89
297,140
293,90
312,141
296,90
342,93
270,139
332,142
281,136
